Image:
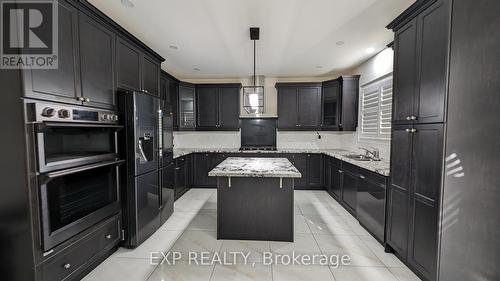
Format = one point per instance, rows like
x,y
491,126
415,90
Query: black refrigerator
x,y
470,227
141,196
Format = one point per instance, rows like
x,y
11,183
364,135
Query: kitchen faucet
x,y
375,153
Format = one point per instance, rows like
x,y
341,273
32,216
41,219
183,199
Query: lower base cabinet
x,y
73,262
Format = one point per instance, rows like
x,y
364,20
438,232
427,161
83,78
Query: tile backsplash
x,y
285,139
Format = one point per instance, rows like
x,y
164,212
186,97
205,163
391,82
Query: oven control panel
x,y
66,113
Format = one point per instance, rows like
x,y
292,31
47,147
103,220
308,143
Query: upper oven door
x,y
67,145
75,199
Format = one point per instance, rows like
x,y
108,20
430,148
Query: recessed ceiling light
x,y
128,3
319,66
370,50
340,43
173,47
196,69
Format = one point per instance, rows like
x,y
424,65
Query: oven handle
x,y
50,176
47,125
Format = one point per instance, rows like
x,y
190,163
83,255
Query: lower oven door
x,y
75,199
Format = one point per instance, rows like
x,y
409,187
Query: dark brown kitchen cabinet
x,y
339,104
371,201
183,175
335,178
218,106
186,106
63,83
206,99
413,207
97,46
169,87
420,66
135,69
299,106
204,163
314,170
350,178
150,75
310,166
422,45
128,65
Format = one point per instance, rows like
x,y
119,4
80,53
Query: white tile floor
x,y
322,226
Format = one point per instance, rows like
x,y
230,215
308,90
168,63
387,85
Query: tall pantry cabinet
x,y
421,58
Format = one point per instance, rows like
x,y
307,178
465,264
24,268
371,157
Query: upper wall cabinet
x,y
169,87
420,66
187,105
218,106
61,84
339,104
299,106
93,54
97,48
136,70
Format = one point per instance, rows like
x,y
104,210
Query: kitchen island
x,y
255,198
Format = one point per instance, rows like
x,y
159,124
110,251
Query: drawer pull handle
x,y
108,236
362,177
67,266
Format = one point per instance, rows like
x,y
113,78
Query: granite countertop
x,y
381,167
255,168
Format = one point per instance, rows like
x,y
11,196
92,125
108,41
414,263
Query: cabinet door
x,y
326,174
229,108
150,76
128,65
167,191
200,170
186,107
287,108
189,171
405,53
349,98
399,188
336,180
314,170
180,179
424,197
206,107
300,162
61,84
433,37
350,190
97,45
173,93
309,100
331,106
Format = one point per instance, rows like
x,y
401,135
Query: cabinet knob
x,y
80,99
413,117
108,236
67,266
340,171
413,130
408,118
408,130
361,177
87,100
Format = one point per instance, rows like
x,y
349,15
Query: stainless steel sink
x,y
361,157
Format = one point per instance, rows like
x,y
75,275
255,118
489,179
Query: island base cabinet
x,y
255,209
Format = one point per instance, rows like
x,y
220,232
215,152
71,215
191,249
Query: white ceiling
x,y
298,37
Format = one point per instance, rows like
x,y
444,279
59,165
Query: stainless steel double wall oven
x,y
77,168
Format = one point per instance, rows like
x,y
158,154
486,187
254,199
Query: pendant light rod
x,y
254,35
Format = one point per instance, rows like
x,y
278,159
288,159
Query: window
x,y
376,110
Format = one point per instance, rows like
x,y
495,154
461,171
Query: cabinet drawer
x,y
350,168
373,177
335,162
75,257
